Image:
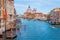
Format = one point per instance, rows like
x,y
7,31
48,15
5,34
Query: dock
x,y
10,35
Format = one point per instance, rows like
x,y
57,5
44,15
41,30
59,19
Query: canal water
x,y
37,30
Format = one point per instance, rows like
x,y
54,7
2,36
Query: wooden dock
x,y
11,36
8,35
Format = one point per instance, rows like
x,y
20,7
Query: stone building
x,y
7,6
33,14
55,16
29,13
11,11
1,11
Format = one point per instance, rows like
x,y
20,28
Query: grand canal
x,y
37,30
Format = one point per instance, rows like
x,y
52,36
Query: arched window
x,y
10,16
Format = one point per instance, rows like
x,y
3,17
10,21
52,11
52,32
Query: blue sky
x,y
43,6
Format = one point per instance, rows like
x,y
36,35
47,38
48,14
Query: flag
x,y
5,15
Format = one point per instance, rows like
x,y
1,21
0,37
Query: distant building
x,y
29,9
48,17
55,16
33,14
41,16
29,13
38,15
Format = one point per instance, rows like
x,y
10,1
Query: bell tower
x,y
29,9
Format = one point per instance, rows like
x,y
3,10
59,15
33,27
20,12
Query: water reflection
x,y
37,30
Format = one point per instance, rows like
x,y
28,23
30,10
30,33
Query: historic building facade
x,y
1,11
33,14
55,16
11,10
7,6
